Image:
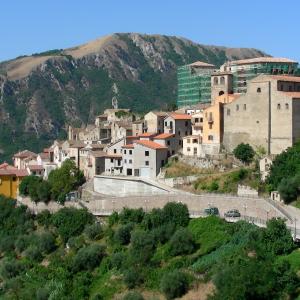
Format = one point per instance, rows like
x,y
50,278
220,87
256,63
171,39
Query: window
x,y
130,161
188,149
179,132
201,120
278,106
281,87
146,153
210,126
186,133
222,81
216,81
286,106
237,107
130,152
111,160
168,143
228,112
290,88
245,106
196,120
124,151
115,151
166,123
188,141
186,123
180,142
195,141
162,162
210,138
195,150
125,161
147,163
258,90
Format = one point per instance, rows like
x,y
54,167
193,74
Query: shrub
x,y
129,215
182,242
213,187
44,218
288,189
132,278
28,184
33,253
22,242
94,231
10,268
174,284
46,242
133,296
244,152
88,258
117,260
122,235
176,213
43,190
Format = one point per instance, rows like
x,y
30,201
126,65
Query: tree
x,y
244,152
129,215
93,231
65,179
43,190
288,189
174,284
123,234
88,258
277,237
28,183
71,221
176,213
132,278
182,242
46,242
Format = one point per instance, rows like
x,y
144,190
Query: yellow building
x,y
213,119
10,178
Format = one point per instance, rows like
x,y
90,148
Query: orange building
x,y
10,178
213,119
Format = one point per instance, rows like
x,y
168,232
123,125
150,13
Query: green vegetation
x,y
285,173
71,255
244,152
60,182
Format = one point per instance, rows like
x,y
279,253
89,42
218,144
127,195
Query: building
x,y
198,83
154,121
267,115
264,166
166,140
194,83
22,158
192,145
138,127
197,123
10,179
179,125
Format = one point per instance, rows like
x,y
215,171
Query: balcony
x,y
210,120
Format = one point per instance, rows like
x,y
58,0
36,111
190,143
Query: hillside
x,y
41,93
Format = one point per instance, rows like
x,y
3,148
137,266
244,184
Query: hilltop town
x,y
252,101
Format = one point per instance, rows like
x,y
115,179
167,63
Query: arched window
x,y
216,81
286,106
258,90
222,81
278,106
221,93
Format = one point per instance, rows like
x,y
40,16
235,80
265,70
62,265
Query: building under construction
x,y
196,81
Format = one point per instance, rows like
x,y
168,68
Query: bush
x,y
88,258
44,218
176,213
123,234
94,231
174,284
46,242
117,260
28,184
288,189
133,296
33,253
43,190
182,242
10,268
71,221
22,242
244,152
132,278
213,187
129,215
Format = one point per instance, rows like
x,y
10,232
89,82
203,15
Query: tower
x,y
221,83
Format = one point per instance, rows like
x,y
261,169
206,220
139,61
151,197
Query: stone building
x,y
154,121
267,115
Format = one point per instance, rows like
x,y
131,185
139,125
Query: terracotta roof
x,y
201,64
261,60
14,172
24,154
177,116
147,134
151,144
44,155
128,146
163,136
76,144
292,94
35,167
4,165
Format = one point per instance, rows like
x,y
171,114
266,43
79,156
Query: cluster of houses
x,y
265,115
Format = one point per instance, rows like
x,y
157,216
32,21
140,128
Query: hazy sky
x,y
29,26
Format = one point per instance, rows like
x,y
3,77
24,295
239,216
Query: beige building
x,y
192,145
22,158
197,123
267,115
154,121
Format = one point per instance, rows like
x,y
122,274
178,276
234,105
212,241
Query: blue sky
x,y
37,25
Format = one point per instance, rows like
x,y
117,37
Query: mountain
x,y
40,94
